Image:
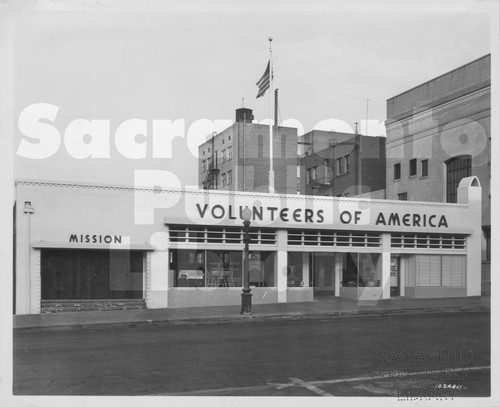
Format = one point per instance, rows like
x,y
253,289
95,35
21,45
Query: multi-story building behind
x,y
341,164
439,133
237,159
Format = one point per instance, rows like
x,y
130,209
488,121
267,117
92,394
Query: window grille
x,y
333,238
219,235
427,241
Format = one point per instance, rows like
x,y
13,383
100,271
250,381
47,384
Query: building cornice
x,y
254,195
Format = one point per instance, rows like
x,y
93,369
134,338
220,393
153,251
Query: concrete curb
x,y
238,319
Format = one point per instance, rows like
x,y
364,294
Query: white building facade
x,y
81,244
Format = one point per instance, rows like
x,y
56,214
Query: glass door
x,y
323,274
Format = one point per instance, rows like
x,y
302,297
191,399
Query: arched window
x,y
456,168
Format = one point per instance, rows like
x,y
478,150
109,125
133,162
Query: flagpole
x,y
271,92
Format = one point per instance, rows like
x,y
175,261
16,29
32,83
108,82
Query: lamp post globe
x,y
246,214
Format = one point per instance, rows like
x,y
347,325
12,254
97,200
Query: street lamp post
x,y
246,295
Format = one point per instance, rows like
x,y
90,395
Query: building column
x,y
24,262
469,192
385,265
35,282
281,264
338,273
157,281
157,271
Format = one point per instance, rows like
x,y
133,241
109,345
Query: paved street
x,y
396,355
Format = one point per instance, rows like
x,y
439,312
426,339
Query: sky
x,y
120,61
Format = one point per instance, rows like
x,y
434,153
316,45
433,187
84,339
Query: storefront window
x,y
221,268
224,268
295,269
436,271
261,267
188,268
360,270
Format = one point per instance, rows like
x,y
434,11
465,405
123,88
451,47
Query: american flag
x,y
264,81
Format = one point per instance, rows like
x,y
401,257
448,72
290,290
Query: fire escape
x,y
212,170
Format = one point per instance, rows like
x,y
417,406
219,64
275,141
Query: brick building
x,y
438,133
237,159
341,164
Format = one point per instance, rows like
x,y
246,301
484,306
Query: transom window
x,y
222,235
333,238
427,241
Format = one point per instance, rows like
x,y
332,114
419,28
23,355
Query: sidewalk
x,y
319,309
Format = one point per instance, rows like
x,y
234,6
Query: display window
x,y
224,268
436,271
91,274
261,267
295,269
188,267
360,269
220,268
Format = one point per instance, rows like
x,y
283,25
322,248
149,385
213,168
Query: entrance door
x,y
91,274
323,274
395,291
